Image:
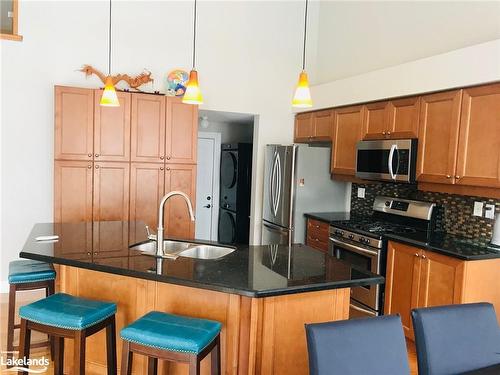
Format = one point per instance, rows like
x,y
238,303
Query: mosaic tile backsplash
x,y
454,214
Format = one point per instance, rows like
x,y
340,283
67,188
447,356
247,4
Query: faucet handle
x,y
151,236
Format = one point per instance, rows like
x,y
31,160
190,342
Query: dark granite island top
x,y
253,271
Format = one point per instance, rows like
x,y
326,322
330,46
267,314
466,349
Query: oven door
x,y
365,259
357,310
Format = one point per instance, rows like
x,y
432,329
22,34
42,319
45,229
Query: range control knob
x,y
362,239
351,236
387,203
367,241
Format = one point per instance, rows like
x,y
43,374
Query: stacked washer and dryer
x,y
235,188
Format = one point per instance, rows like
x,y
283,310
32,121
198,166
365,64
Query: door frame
x,y
216,137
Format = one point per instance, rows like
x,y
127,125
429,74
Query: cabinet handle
x,y
448,176
417,255
96,167
96,155
423,256
162,157
89,155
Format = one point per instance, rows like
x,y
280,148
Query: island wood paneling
x,y
259,335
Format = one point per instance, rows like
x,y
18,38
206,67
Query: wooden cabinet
x,y
478,162
112,129
438,137
347,131
74,123
393,119
317,234
181,131
314,127
421,278
111,191
180,177
148,128
72,191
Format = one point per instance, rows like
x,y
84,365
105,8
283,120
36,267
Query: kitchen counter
x,y
447,244
253,271
328,217
262,295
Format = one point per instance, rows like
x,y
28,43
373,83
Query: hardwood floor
x,y
26,297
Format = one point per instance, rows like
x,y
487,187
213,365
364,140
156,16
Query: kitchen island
x,y
262,295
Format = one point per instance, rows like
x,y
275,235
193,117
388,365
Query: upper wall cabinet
x,y
112,129
148,128
74,123
478,161
438,137
394,119
181,131
314,127
347,131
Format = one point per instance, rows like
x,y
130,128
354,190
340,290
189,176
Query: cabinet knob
x,y
162,157
388,133
89,166
89,253
168,168
96,167
448,176
457,177
316,239
168,157
96,155
161,168
95,253
417,255
317,226
89,155
423,256
383,132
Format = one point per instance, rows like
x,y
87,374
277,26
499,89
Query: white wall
x,y
462,67
249,56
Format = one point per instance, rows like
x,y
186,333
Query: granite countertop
x,y
253,271
328,217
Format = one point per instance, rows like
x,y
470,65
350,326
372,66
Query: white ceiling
x,y
227,117
358,37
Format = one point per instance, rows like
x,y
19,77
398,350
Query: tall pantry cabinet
x,y
115,163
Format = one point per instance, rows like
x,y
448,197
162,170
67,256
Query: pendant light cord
x,y
305,37
109,41
194,35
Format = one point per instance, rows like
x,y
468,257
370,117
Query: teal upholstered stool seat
x,y
172,332
173,338
30,271
65,311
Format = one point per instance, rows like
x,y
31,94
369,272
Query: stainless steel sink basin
x,y
206,252
174,249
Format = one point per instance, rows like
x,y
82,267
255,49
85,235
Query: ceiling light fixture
x,y
302,96
109,97
193,93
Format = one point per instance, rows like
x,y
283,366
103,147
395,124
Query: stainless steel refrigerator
x,y
297,180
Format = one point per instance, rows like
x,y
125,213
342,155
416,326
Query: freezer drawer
x,y
274,235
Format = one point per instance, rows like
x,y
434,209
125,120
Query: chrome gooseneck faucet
x,y
159,235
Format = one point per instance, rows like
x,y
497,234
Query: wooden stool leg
x,y
79,353
215,357
59,355
24,343
127,357
111,346
152,365
194,365
11,321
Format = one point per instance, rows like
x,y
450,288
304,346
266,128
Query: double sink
x,y
174,249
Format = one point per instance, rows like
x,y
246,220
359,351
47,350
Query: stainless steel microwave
x,y
387,160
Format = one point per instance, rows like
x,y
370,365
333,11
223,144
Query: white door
x,y
207,186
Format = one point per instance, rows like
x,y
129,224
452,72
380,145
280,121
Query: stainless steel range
x,y
361,241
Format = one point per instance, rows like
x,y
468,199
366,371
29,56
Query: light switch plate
x,y
478,209
361,192
489,211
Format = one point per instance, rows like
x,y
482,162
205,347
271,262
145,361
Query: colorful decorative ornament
x,y
176,82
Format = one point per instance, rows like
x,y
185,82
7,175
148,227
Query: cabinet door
x,y
401,283
438,137
110,240
303,127
72,191
146,190
347,131
441,280
112,129
74,123
403,118
182,132
375,120
479,140
323,125
179,177
148,128
111,191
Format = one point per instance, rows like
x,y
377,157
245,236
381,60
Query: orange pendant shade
x,y
109,97
302,96
193,93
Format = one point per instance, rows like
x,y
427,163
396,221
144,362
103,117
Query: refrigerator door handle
x,y
279,181
271,183
275,185
274,228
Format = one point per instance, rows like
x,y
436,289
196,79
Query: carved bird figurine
x,y
133,82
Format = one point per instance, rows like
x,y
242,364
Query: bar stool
x,y
27,275
64,316
173,338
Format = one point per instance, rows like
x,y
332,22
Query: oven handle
x,y
391,158
364,311
356,249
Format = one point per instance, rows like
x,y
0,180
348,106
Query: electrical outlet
x,y
489,211
361,192
478,209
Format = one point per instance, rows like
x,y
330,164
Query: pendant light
x,y
193,93
109,98
302,96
